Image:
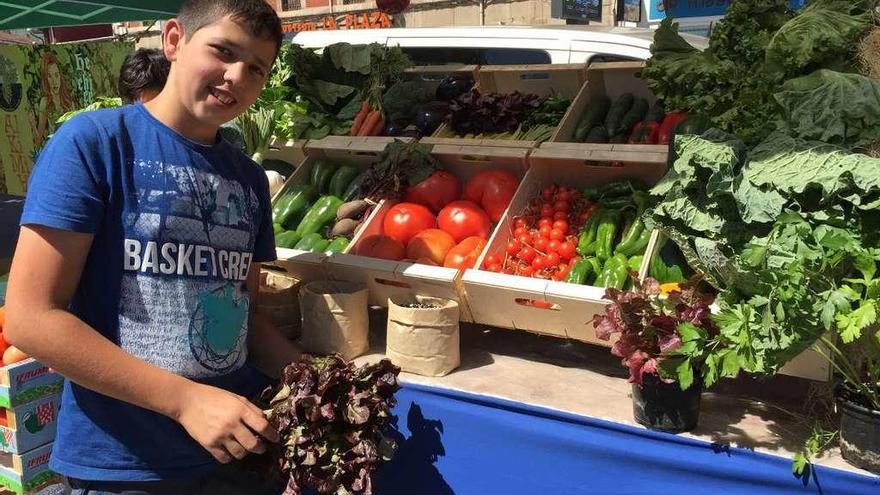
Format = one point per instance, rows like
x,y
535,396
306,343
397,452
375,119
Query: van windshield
x,y
476,56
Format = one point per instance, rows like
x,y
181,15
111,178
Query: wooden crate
x,y
358,151
610,79
432,75
27,381
27,473
544,306
392,278
31,425
542,80
291,151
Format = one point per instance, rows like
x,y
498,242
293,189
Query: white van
x,y
503,45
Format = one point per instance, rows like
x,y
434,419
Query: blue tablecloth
x,y
463,444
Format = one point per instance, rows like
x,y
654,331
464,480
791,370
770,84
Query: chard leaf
x,y
330,92
350,58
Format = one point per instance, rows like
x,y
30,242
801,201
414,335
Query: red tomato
x,y
560,215
527,254
432,244
553,246
557,235
542,244
464,219
538,263
545,231
520,223
548,192
545,222
509,270
524,239
520,231
495,267
405,220
566,250
492,260
552,259
493,190
526,271
380,246
561,225
465,253
547,211
513,247
435,192
564,195
562,206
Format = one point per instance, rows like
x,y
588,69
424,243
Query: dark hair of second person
x,y
143,75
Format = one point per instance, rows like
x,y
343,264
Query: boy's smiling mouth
x,y
222,96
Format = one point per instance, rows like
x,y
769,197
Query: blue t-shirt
x,y
176,226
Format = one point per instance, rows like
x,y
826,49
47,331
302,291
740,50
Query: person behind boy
x,y
137,269
143,75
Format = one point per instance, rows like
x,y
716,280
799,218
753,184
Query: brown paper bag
x,y
334,318
424,341
279,301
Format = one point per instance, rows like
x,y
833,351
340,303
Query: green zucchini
x,y
308,241
299,197
617,112
353,191
322,172
597,134
338,245
319,215
341,179
636,113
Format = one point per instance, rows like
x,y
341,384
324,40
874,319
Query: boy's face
x,y
220,70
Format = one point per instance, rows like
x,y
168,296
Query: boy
x,y
143,75
138,265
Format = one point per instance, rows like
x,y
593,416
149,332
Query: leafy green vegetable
x,y
403,98
832,107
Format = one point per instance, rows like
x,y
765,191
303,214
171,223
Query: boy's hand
x,y
224,423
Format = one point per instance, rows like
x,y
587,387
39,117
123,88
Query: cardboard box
x,y
27,473
27,381
31,425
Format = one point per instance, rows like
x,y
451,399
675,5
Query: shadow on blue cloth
x,y
413,469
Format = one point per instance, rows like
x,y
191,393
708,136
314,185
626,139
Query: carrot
x,y
380,126
369,123
359,118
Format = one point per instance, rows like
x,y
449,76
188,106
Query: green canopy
x,y
52,13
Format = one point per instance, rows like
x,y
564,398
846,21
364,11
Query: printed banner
x,y
40,83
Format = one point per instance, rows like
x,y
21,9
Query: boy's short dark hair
x,y
257,15
146,68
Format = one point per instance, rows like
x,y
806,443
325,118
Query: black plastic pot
x,y
859,431
665,406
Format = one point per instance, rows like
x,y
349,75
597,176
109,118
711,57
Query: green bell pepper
x,y
319,215
279,206
337,246
287,239
320,246
299,197
308,241
635,263
277,228
581,270
341,179
606,233
617,272
322,173
585,245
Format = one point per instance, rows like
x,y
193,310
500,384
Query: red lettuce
x,y
334,422
475,113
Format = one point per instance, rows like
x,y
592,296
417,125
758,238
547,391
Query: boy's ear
x,y
172,39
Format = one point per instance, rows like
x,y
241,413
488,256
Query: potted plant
x,y
663,338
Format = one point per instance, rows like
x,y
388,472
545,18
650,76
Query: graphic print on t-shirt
x,y
188,246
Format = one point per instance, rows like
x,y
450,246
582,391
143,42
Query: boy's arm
x,y
270,351
46,270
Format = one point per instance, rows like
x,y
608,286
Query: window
x,y
290,5
595,59
476,56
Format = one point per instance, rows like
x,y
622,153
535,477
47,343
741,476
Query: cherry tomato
x,y
526,270
548,192
573,260
525,239
559,276
513,247
520,223
584,216
495,267
545,231
520,231
527,254
561,206
556,235
547,211
552,259
560,215
564,195
561,225
545,222
553,246
566,250
542,244
491,260
538,263
509,270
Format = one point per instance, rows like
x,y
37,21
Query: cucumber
x,y
617,112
